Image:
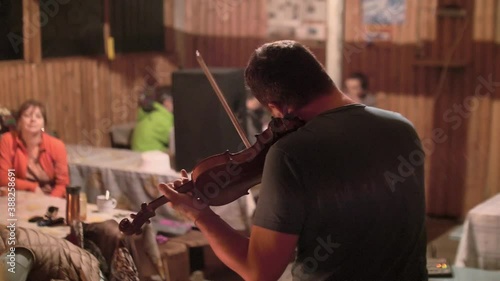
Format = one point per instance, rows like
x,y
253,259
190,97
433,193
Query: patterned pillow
x,y
123,267
92,248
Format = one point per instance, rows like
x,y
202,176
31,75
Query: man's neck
x,y
323,103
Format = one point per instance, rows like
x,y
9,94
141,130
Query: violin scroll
x,y
139,219
148,211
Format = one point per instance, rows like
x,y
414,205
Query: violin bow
x,y
217,90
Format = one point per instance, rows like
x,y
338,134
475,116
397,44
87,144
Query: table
x,y
29,204
470,274
459,274
145,252
480,243
132,179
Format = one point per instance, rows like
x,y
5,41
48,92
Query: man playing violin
x,y
344,193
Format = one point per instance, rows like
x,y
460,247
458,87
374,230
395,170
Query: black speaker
x,y
202,126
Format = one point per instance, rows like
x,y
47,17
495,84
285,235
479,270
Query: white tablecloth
x,y
132,178
480,243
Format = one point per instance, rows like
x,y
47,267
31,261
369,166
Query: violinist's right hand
x,y
184,203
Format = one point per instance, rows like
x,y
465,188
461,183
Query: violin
x,y
223,178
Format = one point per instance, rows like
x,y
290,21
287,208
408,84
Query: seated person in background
x,y
38,159
258,117
356,86
7,121
255,112
155,121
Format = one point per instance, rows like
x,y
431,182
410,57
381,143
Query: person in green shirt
x,y
155,121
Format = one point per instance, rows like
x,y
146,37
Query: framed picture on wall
x,y
384,12
380,17
297,19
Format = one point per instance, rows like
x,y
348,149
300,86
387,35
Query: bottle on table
x,y
73,215
72,204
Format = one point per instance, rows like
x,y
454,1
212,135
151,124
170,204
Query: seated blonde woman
x,y
38,159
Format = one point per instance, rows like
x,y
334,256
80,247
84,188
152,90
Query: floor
x,y
440,245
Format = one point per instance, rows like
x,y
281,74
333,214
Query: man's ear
x,y
275,110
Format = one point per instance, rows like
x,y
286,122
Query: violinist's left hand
x,y
184,203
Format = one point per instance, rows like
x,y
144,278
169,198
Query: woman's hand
x,y
39,190
43,190
184,203
39,172
47,189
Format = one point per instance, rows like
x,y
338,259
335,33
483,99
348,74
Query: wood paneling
x,y
225,32
462,171
419,23
32,37
484,20
497,23
493,164
432,69
84,96
427,71
434,82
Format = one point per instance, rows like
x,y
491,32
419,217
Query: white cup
x,y
105,206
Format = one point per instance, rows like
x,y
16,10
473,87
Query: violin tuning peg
x,y
133,216
148,221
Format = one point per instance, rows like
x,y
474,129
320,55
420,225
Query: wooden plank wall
x,y
483,165
84,96
413,74
225,31
32,36
399,86
433,67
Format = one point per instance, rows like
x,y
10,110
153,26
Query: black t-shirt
x,y
350,183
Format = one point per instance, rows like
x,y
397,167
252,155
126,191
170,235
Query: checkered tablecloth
x,y
480,243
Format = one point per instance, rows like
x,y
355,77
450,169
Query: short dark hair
x,y
363,79
150,95
26,105
286,73
162,93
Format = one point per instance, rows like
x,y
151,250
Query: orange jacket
x,y
53,160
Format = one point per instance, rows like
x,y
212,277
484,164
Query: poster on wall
x,y
297,19
380,17
283,18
